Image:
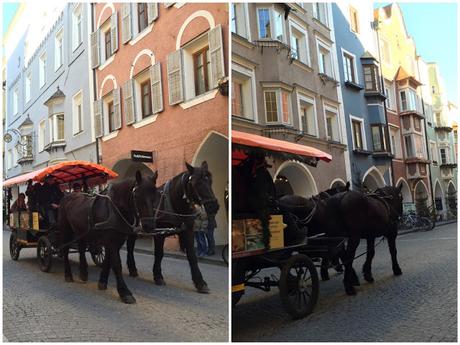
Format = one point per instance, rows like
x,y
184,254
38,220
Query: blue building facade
x,y
363,96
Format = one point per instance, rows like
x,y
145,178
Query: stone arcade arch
x,y
421,196
214,150
298,177
439,197
405,190
127,168
373,179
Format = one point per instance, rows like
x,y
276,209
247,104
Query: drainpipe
x,y
426,143
98,161
375,26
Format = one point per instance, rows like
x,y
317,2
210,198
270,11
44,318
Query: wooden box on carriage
x,y
247,234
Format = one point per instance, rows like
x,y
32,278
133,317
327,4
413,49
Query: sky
x,y
433,27
9,8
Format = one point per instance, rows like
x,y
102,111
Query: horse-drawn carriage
x,y
29,229
264,233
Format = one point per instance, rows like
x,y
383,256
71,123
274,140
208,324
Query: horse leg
x,y
367,272
324,268
83,262
350,278
67,269
130,242
159,244
123,291
197,278
392,246
104,276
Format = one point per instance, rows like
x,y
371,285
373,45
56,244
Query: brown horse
x,y
107,219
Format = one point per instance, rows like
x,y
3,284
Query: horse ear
x,y
347,186
204,165
138,177
189,168
154,177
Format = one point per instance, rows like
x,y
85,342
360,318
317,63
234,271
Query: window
x,y
324,59
201,67
111,118
419,146
77,113
408,100
242,91
320,12
107,43
371,78
357,127
58,50
332,124
237,98
379,138
434,153
42,70
385,51
146,99
395,142
409,147
279,25
76,27
390,94
15,100
238,19
417,124
264,23
142,19
433,89
438,119
41,135
15,156
299,43
443,152
10,159
307,115
277,106
28,85
56,125
354,22
349,67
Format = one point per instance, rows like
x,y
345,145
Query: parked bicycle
x,y
413,221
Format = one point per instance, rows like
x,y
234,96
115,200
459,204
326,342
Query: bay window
x,y
56,127
408,100
277,106
371,78
379,141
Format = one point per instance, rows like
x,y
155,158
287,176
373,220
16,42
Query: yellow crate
x,y
35,221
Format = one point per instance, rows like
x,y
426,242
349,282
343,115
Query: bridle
x,y
191,194
380,195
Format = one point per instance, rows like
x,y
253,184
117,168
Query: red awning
x,y
253,140
66,172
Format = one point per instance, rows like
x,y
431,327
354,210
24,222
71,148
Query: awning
x,y
67,172
300,152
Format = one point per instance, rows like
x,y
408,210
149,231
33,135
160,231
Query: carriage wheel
x,y
44,254
15,248
98,255
299,286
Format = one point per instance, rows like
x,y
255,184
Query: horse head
x,y
198,188
393,196
146,198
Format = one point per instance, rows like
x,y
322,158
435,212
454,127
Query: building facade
x,y
285,86
363,95
48,95
160,74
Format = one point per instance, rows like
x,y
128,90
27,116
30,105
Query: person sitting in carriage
x,y
32,192
20,204
76,188
49,198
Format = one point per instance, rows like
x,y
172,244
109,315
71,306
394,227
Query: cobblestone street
x,y
419,306
41,306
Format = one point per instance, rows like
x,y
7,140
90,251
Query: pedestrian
x,y
200,227
20,204
210,234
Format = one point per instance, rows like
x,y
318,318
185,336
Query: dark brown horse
x,y
176,209
107,219
356,215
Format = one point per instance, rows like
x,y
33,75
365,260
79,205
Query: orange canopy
x,y
66,172
275,145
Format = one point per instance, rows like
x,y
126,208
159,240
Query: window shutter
x,y
126,22
175,80
116,108
128,93
95,59
114,31
157,90
152,11
217,55
98,121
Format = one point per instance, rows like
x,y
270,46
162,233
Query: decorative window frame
x,y
363,132
302,96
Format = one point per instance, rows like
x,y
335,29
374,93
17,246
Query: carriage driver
x,y
49,198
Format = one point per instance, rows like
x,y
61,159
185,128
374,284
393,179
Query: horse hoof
x,y
159,281
84,277
133,274
102,286
350,291
368,278
397,271
129,299
69,279
202,288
